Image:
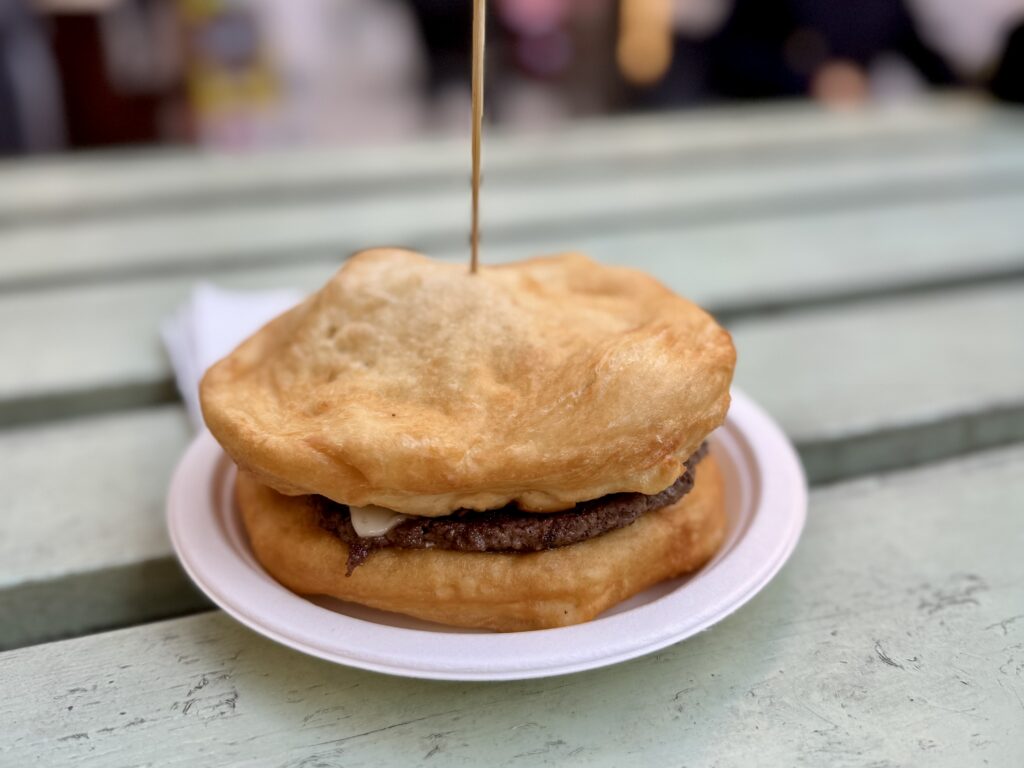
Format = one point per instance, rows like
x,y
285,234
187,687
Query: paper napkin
x,y
209,325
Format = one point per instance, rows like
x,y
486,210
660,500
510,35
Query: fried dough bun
x,y
410,384
499,591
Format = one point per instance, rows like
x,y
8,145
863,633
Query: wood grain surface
x,y
895,636
861,388
91,358
83,544
871,267
100,183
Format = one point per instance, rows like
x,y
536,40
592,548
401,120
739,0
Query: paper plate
x,y
766,499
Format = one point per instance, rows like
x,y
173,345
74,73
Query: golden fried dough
x,y
505,592
410,384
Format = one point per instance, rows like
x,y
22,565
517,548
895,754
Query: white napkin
x,y
211,324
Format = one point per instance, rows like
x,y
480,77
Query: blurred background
x,y
239,74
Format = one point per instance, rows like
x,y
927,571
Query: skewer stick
x,y
479,34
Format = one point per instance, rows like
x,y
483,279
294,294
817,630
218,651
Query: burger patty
x,y
508,529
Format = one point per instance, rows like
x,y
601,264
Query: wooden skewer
x,y
479,35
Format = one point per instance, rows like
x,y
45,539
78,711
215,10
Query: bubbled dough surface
x,y
410,384
504,592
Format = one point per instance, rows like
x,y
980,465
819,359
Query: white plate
x,y
766,499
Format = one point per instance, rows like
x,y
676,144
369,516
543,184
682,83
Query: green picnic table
x,y
870,265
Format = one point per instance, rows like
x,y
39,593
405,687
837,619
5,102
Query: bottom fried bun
x,y
492,590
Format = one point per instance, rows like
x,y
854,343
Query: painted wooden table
x,y
871,267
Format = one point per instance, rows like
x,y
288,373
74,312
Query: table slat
x,y
81,526
104,183
890,383
82,356
524,212
893,637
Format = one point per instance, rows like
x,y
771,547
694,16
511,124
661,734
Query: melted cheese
x,y
374,521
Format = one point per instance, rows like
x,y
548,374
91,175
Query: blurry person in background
x,y
547,60
559,59
118,69
756,49
267,72
680,52
31,119
255,73
1007,81
836,52
233,86
982,39
444,28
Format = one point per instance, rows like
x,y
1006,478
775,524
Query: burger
x,y
518,448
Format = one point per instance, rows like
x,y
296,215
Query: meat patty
x,y
508,529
